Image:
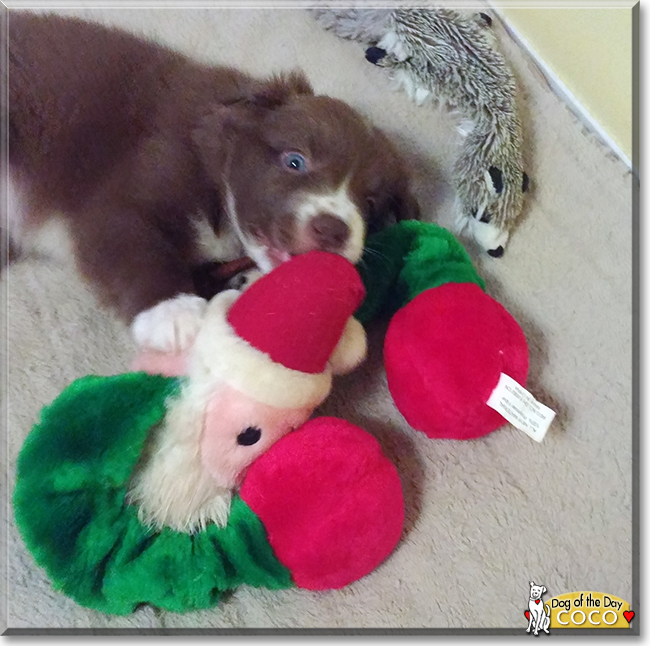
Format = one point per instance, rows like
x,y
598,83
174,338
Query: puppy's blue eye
x,y
295,161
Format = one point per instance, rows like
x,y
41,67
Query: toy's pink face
x,y
237,429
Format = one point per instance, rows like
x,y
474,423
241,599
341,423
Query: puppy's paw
x,y
171,325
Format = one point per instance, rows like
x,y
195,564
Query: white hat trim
x,y
220,355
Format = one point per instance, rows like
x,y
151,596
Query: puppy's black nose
x,y
374,54
328,231
496,253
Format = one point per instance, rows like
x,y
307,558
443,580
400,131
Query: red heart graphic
x,y
629,615
536,600
527,613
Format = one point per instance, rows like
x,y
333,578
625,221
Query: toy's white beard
x,y
194,462
171,488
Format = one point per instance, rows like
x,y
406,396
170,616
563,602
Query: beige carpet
x,y
483,517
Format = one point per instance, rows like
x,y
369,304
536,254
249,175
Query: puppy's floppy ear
x,y
393,193
399,204
396,206
219,124
280,88
406,205
217,129
212,135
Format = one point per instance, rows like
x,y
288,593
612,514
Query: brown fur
x,y
129,140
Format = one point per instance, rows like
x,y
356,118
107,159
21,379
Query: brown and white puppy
x,y
160,164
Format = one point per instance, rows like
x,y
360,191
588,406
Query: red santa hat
x,y
284,337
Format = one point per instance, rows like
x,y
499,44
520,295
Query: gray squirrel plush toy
x,y
442,55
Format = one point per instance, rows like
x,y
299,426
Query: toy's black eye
x,y
375,54
249,436
497,178
486,19
295,161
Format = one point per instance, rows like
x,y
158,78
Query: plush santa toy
x,y
148,488
262,361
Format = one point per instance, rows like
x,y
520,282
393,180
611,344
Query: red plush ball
x,y
444,353
330,501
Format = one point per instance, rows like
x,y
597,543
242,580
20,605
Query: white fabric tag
x,y
520,408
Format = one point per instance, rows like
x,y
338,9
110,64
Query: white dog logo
x,y
538,613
